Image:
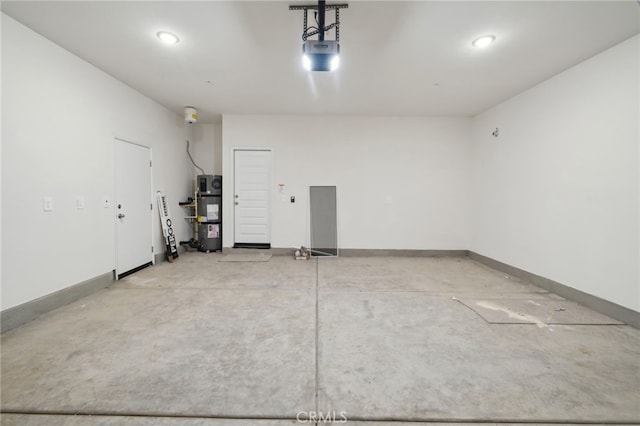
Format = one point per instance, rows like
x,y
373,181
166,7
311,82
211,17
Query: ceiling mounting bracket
x,y
305,29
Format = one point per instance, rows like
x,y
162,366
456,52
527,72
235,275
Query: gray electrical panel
x,y
324,220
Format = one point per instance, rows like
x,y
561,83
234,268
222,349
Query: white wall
x,y
402,183
557,193
217,143
60,116
202,137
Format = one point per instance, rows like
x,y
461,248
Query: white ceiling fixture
x,y
484,41
167,38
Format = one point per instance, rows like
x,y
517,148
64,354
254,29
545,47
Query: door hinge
x,y
150,163
151,206
151,249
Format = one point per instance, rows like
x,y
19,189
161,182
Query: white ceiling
x,y
398,58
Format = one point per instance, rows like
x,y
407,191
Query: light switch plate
x,y
47,204
80,203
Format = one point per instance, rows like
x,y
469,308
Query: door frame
x,y
115,199
270,183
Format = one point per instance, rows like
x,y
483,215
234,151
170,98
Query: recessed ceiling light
x,y
483,41
167,37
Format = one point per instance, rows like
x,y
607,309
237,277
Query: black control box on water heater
x,y
210,184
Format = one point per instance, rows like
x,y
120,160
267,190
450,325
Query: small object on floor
x,y
192,243
302,253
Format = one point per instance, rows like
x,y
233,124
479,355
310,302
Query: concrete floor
x,y
202,342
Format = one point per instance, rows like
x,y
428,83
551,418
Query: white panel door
x,y
252,196
133,207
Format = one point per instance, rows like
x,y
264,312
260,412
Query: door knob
x,y
120,215
236,195
237,203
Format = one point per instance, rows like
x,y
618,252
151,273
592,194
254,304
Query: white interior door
x,y
252,197
133,207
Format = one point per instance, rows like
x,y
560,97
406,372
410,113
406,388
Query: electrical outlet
x,y
47,204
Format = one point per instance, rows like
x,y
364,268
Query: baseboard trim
x,y
289,251
401,253
22,314
621,313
